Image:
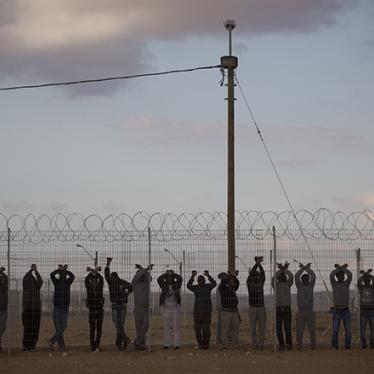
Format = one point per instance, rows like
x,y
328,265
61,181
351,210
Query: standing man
x,y
219,309
170,303
230,319
257,312
32,308
3,301
62,279
305,280
340,280
119,290
283,280
202,311
94,283
366,289
141,285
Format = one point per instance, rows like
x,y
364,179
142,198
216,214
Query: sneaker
x,y
177,347
97,349
165,347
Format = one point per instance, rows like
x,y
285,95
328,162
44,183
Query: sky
x,y
158,144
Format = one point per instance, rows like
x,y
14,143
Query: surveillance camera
x,y
230,24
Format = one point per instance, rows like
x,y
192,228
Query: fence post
x,y
150,290
358,269
9,295
275,290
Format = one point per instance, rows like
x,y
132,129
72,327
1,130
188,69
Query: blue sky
x,y
159,144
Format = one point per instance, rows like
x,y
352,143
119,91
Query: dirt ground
x,y
187,360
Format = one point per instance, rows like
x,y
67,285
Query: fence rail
x,y
184,243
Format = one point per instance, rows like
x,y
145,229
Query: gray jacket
x,y
305,292
283,289
340,290
141,287
366,293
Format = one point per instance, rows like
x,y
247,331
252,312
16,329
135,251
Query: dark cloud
x,y
82,39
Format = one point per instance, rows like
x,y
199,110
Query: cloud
x,y
170,131
366,200
71,39
325,138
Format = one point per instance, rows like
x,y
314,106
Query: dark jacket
x,y
366,293
256,288
203,301
119,289
31,290
175,281
3,291
61,297
229,300
94,286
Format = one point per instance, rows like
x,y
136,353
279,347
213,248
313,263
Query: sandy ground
x,y
187,360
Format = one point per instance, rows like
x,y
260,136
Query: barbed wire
x,y
169,226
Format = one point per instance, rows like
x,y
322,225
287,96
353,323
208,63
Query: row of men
x,y
170,301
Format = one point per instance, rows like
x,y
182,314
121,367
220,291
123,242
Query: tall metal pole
x,y
8,290
358,269
150,293
230,63
275,290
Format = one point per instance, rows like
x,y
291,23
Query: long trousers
x,y
31,326
230,322
257,319
95,320
141,325
305,317
171,318
202,321
284,319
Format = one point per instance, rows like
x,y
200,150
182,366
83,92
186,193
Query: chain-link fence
x,y
182,243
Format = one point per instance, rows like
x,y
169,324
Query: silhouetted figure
x,y
366,289
202,311
94,283
341,279
170,303
283,280
220,276
3,301
31,314
62,279
230,319
141,284
305,280
257,312
119,290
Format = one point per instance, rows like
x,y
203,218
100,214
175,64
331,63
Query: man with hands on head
x,y
94,284
32,308
141,284
170,303
230,318
119,290
202,312
305,280
257,312
283,280
62,279
340,280
3,301
366,289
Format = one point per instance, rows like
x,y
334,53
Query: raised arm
x,y
53,276
349,276
71,277
298,278
179,280
107,274
289,278
190,285
333,280
161,280
236,283
212,281
39,280
312,275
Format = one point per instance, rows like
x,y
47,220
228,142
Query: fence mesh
x,y
184,244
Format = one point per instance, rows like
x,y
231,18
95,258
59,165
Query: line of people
x,y
170,283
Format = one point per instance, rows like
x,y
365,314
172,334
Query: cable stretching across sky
x,y
98,80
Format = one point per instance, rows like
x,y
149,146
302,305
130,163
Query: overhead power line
x,y
106,79
282,185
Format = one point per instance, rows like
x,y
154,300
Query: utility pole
x,y
230,63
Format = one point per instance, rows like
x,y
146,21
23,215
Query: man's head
x,y
222,276
114,275
340,276
305,279
282,277
201,280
